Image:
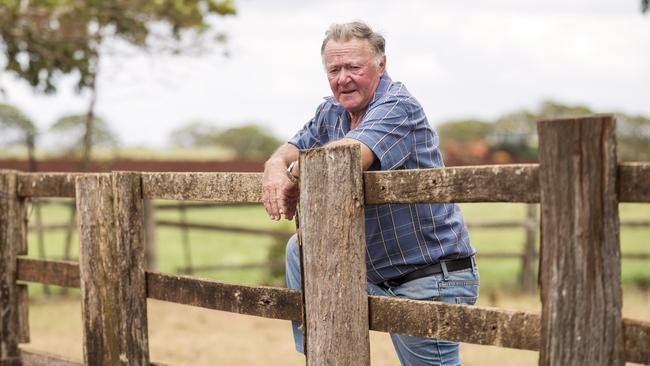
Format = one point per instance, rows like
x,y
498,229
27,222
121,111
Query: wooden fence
x,y
578,183
529,256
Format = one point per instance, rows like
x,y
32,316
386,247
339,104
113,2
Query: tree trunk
x,y
90,119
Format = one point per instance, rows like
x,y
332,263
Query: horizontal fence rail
x,y
495,183
478,325
485,183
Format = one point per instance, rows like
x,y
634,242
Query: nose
x,y
343,76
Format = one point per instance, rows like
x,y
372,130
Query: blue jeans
x,y
460,287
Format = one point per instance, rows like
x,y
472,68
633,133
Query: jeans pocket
x,y
466,300
462,286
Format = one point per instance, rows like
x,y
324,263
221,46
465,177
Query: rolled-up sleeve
x,y
387,130
310,136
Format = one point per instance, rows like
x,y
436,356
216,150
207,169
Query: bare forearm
x,y
283,156
279,192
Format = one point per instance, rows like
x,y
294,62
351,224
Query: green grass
x,y
209,247
502,273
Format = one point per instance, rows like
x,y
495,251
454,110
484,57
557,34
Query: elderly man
x,y
415,251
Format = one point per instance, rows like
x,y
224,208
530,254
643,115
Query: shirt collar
x,y
384,83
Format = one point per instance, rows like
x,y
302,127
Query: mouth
x,y
347,92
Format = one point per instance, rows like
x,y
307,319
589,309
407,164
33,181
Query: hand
x,y
279,194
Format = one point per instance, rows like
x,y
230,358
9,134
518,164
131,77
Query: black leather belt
x,y
452,265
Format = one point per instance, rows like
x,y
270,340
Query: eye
x,y
355,69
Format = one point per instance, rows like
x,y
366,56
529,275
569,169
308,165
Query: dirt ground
x,y
184,335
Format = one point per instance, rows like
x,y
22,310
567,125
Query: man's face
x,y
352,73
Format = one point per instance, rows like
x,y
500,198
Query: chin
x,y
351,106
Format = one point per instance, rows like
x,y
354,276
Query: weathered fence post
x,y
528,272
13,298
150,249
580,253
111,262
333,239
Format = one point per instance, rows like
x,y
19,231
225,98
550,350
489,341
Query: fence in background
x,y
529,256
578,183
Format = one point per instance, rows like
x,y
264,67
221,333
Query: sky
x,y
460,59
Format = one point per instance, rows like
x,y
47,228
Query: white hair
x,y
356,30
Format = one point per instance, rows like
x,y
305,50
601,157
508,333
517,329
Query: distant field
x,y
206,153
209,247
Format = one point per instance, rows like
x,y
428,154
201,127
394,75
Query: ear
x,y
382,65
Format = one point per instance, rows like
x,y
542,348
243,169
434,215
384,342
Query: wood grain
x,y
47,184
216,187
486,183
12,237
334,265
580,252
490,183
503,328
112,269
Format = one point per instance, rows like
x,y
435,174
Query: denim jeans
x,y
459,287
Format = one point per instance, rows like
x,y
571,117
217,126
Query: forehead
x,y
335,51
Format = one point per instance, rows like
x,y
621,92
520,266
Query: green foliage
x,y
42,39
194,134
244,142
15,126
464,131
524,122
633,134
70,130
516,132
248,142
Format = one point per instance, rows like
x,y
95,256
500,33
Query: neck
x,y
355,117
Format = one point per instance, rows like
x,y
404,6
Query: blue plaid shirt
x,y
400,238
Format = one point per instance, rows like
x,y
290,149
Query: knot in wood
x,y
266,300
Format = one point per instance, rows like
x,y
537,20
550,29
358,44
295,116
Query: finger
x,y
273,202
266,201
270,204
290,214
290,207
286,205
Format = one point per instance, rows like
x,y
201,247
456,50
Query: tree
x,y
43,39
248,142
70,133
194,134
464,131
515,133
633,133
17,128
245,142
